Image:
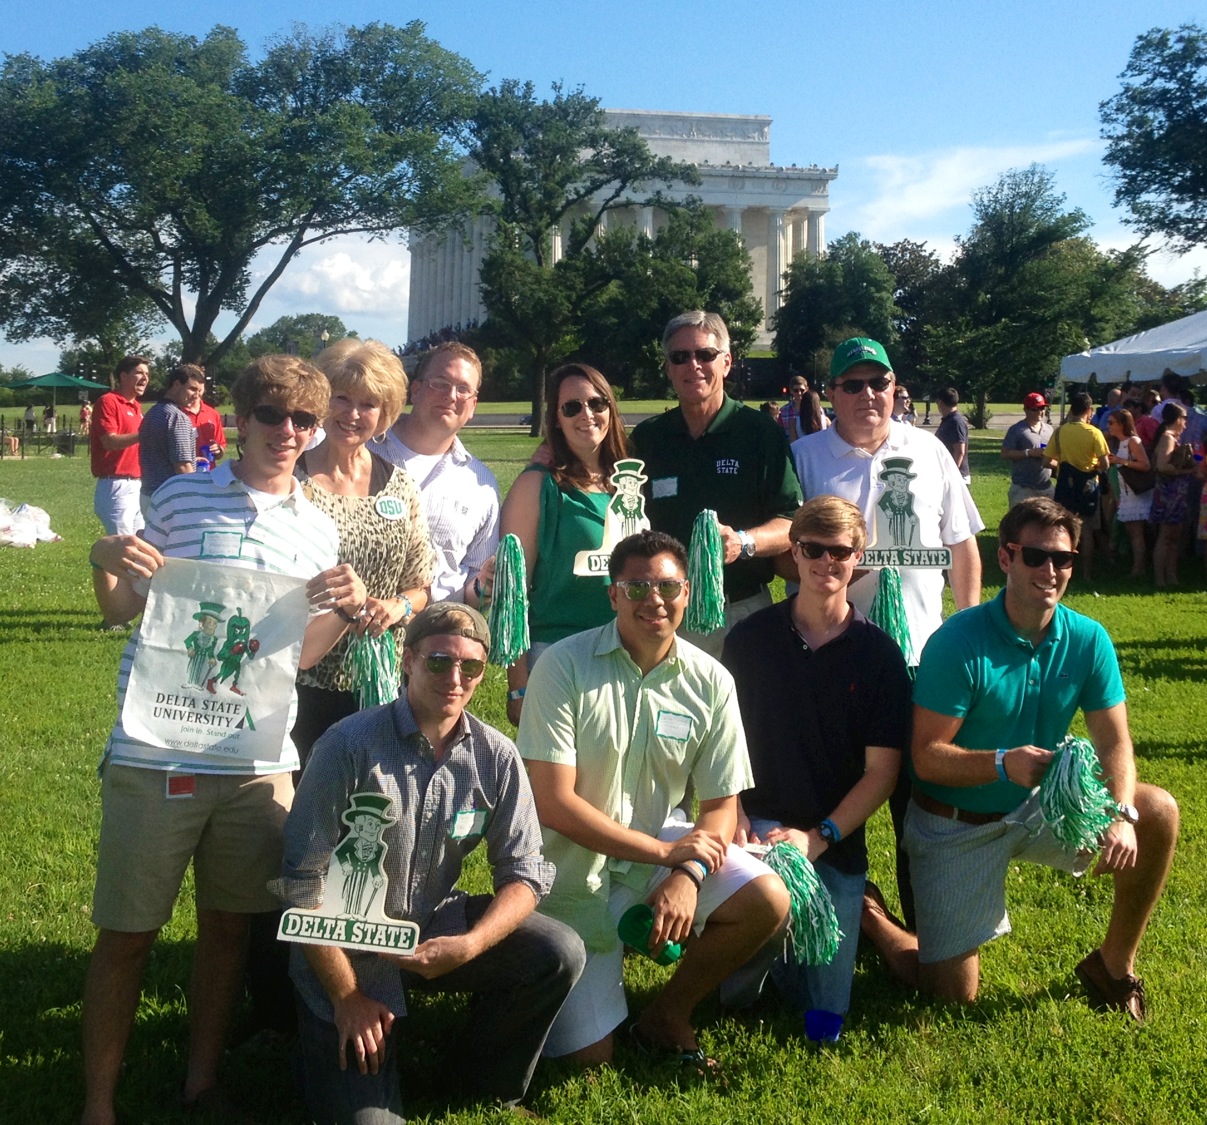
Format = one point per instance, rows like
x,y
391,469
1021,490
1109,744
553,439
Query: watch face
x,y
1129,813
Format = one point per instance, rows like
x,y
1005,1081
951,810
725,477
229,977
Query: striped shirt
x,y
213,516
461,501
477,793
165,440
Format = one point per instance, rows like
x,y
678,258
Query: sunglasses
x,y
878,383
813,550
440,664
638,589
1035,557
273,416
702,355
573,408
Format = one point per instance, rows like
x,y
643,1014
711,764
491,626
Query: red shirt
x,y
114,414
208,424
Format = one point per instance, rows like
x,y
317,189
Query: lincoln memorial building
x,y
779,212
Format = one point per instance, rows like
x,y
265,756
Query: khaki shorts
x,y
231,829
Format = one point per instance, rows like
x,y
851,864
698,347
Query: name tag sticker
x,y
468,823
664,486
221,544
670,725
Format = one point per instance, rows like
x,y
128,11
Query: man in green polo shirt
x,y
616,721
713,452
996,689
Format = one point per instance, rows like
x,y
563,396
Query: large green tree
x,y
301,334
142,176
690,263
557,168
1026,288
1156,133
847,291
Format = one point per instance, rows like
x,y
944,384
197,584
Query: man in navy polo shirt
x,y
996,689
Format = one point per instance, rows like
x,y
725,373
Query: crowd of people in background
x,y
653,766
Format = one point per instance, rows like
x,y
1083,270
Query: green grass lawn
x,y
1029,1050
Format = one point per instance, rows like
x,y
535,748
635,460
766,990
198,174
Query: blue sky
x,y
917,104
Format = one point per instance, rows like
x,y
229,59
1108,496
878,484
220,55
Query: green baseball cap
x,y
858,349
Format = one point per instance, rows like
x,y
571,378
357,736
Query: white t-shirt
x,y
939,510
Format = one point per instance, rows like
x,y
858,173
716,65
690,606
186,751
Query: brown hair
x,y
1039,511
568,471
828,516
1126,422
451,348
283,380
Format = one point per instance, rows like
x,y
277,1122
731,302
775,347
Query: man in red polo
x,y
211,437
113,441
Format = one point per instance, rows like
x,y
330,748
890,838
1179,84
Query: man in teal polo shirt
x,y
713,452
996,689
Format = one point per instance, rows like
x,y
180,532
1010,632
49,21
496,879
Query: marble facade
x,y
779,212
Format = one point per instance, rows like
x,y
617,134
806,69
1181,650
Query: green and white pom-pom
x,y
1075,804
706,573
509,606
813,929
888,611
372,665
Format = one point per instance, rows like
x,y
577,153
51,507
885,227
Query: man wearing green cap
x,y
911,496
412,787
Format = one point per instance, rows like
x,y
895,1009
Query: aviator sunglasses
x,y
813,550
702,355
638,589
573,408
440,664
273,416
878,383
1035,557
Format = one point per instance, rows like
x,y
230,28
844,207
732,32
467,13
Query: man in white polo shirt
x,y
460,494
224,816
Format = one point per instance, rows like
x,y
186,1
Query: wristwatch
x,y
748,546
828,831
1129,813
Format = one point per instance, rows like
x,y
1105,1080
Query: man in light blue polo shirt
x,y
996,689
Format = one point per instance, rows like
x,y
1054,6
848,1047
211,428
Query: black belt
x,y
929,804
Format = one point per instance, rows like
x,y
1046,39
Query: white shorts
x,y
596,1005
116,503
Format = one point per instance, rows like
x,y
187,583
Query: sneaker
x,y
1108,992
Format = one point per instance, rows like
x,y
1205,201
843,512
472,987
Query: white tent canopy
x,y
1180,347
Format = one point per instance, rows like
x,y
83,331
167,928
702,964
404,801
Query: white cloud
x,y
926,196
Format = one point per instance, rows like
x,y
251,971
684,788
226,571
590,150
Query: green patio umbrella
x,y
55,380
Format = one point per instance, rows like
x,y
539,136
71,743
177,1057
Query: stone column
x,y
775,258
555,244
645,221
817,233
733,217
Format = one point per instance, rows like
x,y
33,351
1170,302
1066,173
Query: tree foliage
x,y
1156,133
297,335
1026,288
847,291
555,166
140,177
689,264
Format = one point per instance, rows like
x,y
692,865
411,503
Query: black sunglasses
x,y
813,550
702,355
638,589
878,383
273,416
573,408
440,664
1035,557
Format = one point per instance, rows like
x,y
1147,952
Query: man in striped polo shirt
x,y
162,808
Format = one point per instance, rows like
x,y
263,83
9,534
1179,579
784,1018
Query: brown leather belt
x,y
928,804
